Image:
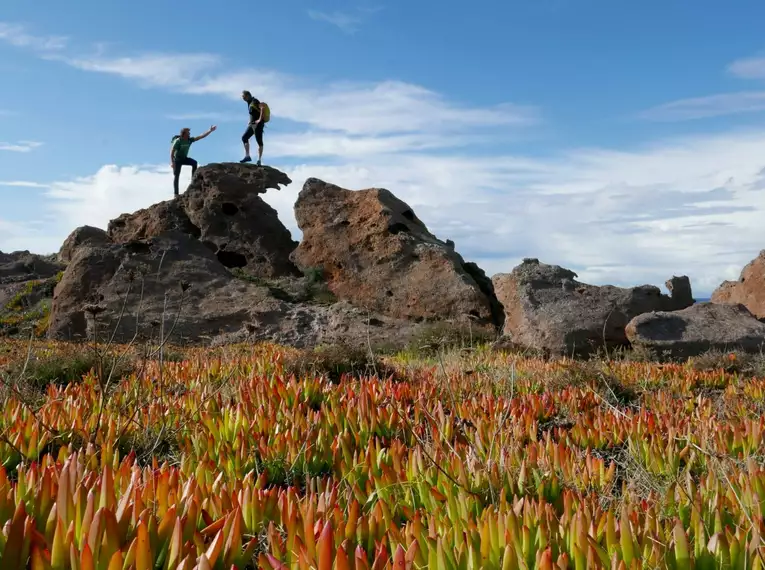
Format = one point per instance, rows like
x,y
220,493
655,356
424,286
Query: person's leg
x,y
259,139
193,164
246,141
176,174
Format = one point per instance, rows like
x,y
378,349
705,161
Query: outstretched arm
x,y
203,135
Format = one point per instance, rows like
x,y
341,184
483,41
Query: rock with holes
x,y
375,253
172,285
223,210
244,231
698,329
547,309
84,235
749,290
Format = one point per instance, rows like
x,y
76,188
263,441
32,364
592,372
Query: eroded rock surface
x,y
376,253
697,329
547,309
749,290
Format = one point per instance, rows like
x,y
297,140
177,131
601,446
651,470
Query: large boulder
x,y
749,290
547,309
377,254
223,210
25,266
84,235
698,329
174,285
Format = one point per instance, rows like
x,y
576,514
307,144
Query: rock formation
x,y
697,329
547,309
26,266
172,284
169,267
375,253
749,290
222,208
84,235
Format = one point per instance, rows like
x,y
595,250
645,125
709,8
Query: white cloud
x,y
205,116
22,184
686,206
748,68
710,106
385,107
343,20
719,104
16,35
20,146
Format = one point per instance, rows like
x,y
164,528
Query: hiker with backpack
x,y
260,114
179,153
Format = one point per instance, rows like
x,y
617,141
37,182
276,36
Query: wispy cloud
x,y
720,104
205,116
17,35
365,109
20,146
710,106
748,68
22,184
348,23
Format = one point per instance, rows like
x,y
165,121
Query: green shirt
x,y
181,147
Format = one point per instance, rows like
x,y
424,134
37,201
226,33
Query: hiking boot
x,y
246,159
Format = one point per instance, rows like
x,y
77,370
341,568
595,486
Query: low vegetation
x,y
459,457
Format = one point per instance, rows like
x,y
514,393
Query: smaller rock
x,y
84,235
25,266
698,329
680,291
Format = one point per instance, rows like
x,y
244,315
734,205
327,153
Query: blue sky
x,y
623,140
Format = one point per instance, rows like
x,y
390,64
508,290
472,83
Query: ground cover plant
x,y
234,457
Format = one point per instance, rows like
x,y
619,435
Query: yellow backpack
x,y
266,112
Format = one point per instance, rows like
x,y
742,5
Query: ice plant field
x,y
227,459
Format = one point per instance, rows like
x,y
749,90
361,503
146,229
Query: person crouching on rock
x,y
179,153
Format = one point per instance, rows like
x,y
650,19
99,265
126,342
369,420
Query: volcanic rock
x,y
223,210
84,235
547,309
698,329
377,254
749,290
174,286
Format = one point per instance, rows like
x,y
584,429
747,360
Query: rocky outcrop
x,y
749,290
223,210
697,329
377,254
174,284
26,266
84,235
150,222
547,309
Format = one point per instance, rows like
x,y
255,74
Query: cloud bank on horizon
x,y
685,205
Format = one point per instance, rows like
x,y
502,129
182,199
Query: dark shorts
x,y
257,130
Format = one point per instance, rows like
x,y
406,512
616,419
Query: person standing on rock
x,y
179,153
260,114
